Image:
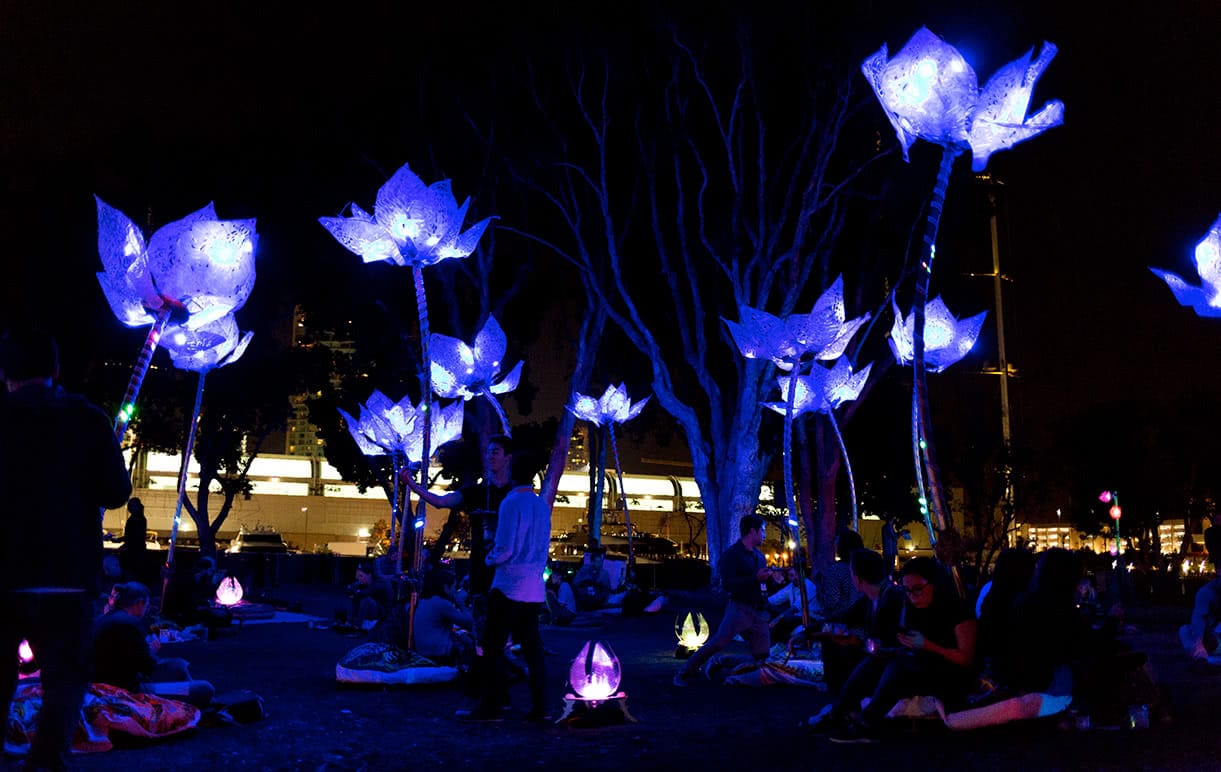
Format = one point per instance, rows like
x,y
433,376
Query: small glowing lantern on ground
x,y
692,631
594,677
229,593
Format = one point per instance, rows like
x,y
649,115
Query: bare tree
x,y
680,200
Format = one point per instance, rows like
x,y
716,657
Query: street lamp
x,y
1116,512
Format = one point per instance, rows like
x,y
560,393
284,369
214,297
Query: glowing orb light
x,y
692,630
595,673
824,332
946,339
412,224
1206,298
24,653
229,592
929,92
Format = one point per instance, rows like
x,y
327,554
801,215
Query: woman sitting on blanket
x,y
125,653
935,657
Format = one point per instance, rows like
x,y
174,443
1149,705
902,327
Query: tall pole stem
x,y
500,411
627,515
843,451
790,496
421,300
127,407
187,450
937,503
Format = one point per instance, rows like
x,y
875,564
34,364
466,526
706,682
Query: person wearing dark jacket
x,y
744,575
60,466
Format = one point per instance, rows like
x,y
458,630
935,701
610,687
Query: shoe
x,y
479,715
821,723
855,732
681,679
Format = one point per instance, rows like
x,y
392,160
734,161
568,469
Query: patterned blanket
x,y
107,709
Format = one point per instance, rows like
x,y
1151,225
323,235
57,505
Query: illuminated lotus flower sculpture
x,y
692,631
229,592
822,391
193,271
824,332
595,673
386,427
1206,298
946,338
418,225
613,407
203,349
412,224
929,92
459,370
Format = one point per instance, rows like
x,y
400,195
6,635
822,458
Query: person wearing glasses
x,y
935,656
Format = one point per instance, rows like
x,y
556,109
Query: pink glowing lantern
x,y
229,593
25,654
595,673
1105,497
1116,512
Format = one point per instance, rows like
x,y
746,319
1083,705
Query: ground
x,y
314,724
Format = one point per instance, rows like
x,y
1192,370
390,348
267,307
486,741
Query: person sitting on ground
x,y
125,653
935,658
592,584
443,630
994,607
872,624
561,601
836,593
785,605
1200,638
369,598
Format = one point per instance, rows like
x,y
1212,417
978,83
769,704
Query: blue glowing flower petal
x,y
760,335
635,410
368,239
124,301
1000,120
927,90
509,382
206,347
1205,299
465,244
120,243
585,407
489,348
452,364
367,447
446,427
613,402
1208,257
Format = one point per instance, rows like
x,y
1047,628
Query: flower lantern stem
x,y
500,412
843,451
923,426
921,491
627,515
421,301
790,497
599,490
127,407
187,450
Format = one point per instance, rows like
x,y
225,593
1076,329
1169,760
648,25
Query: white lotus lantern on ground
x,y
929,91
192,272
692,631
229,592
613,407
1206,298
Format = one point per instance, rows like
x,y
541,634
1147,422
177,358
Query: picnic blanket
x,y
1026,706
107,709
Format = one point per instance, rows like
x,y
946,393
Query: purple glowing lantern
x,y
1206,298
595,673
229,592
929,92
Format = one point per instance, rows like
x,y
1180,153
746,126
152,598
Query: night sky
x,y
287,115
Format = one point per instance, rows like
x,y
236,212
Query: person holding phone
x,y
936,655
